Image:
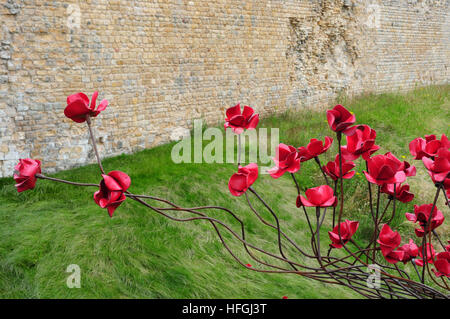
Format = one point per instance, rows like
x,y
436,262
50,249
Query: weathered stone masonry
x,y
163,63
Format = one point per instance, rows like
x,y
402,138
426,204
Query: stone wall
x,y
163,63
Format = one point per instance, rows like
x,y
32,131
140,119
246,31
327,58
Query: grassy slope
x,y
140,254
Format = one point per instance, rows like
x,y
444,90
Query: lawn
x,y
139,254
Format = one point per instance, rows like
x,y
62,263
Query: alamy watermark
x,y
373,16
256,146
373,280
74,279
73,16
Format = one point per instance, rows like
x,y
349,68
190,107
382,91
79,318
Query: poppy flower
x,y
438,169
384,170
442,264
428,147
347,229
239,182
303,154
25,174
321,196
429,138
78,107
417,148
394,256
339,119
433,146
402,192
388,240
314,148
360,143
431,254
410,250
332,169
408,169
239,121
422,215
286,160
285,297
111,192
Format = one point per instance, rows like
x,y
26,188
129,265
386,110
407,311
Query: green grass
x,y
140,254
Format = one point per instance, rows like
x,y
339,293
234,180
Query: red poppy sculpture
x,y
78,108
352,248
239,120
111,193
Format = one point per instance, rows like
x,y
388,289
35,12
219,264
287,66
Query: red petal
x,y
248,111
237,184
233,111
78,96
349,175
282,151
276,172
77,111
315,147
102,106
298,202
94,100
253,173
328,142
305,202
411,217
330,202
399,177
370,178
253,122
123,179
385,173
294,167
111,183
331,118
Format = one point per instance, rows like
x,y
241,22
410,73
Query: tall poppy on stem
x,y
340,119
332,169
389,241
239,120
361,142
347,230
422,215
286,160
384,170
245,177
314,148
78,108
321,196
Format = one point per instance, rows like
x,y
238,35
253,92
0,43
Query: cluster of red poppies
x,y
386,171
390,240
112,187
435,155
